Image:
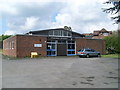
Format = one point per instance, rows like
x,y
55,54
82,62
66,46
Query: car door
x,y
94,52
89,52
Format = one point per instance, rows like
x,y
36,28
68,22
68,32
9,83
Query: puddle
x,y
86,83
89,80
91,77
113,77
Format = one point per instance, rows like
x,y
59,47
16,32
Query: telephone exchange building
x,y
51,42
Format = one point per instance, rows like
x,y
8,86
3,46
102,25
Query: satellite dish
x,y
66,27
69,28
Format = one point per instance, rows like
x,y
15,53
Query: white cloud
x,y
30,23
82,15
10,32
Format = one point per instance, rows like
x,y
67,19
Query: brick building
x,y
51,42
98,34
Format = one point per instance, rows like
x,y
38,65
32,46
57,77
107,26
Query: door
x,y
61,49
94,53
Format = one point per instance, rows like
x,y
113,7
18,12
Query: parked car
x,y
87,52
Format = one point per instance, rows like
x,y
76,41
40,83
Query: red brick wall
x,y
25,45
6,48
98,45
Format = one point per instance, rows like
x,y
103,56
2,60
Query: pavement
x,y
60,72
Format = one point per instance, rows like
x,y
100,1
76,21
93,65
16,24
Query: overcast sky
x,y
83,16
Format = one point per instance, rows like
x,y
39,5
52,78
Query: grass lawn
x,y
112,56
0,51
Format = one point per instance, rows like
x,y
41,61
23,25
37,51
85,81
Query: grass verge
x,y
111,56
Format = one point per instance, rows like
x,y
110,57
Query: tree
x,y
112,43
115,9
3,37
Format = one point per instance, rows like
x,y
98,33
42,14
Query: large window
x,y
70,48
65,33
59,33
51,48
51,53
50,32
9,45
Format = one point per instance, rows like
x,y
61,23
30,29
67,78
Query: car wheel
x,y
79,56
99,55
87,56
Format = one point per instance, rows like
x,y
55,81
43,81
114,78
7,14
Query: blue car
x,y
87,52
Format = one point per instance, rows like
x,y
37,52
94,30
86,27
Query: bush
x,y
112,43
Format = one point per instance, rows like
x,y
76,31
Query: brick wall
x,y
7,49
98,45
25,45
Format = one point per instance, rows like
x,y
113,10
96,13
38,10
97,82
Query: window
x,y
59,33
51,48
71,47
92,50
51,41
105,34
71,52
48,46
56,33
71,41
37,45
50,53
12,45
61,41
50,32
69,33
64,33
88,50
7,46
81,50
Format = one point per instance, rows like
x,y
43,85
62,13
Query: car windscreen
x,y
81,50
88,50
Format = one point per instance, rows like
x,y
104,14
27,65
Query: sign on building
x,y
37,45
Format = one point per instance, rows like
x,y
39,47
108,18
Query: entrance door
x,y
61,49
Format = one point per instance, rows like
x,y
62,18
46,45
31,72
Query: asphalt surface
x,y
60,72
